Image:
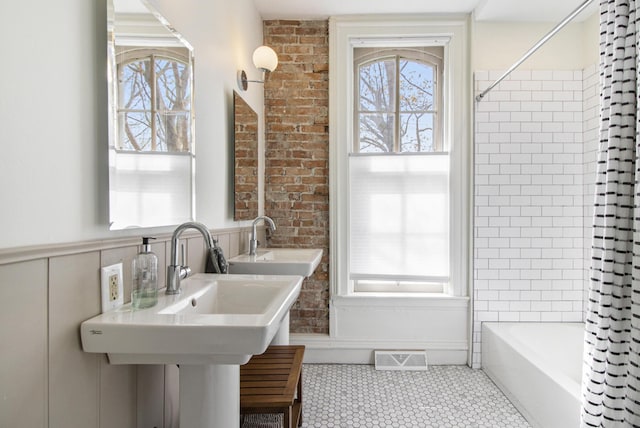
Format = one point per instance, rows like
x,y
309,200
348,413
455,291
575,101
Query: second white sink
x,y
277,261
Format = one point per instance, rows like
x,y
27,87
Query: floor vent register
x,y
401,360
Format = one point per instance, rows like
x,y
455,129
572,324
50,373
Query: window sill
x,y
380,299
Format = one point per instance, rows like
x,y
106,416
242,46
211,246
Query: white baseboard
x,y
322,349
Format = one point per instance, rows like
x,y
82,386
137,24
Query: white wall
x,y
53,166
497,45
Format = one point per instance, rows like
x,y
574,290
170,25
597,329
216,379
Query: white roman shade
x,y
150,189
399,217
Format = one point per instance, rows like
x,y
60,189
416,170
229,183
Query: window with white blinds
x,y
400,161
398,173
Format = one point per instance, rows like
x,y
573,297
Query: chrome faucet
x,y
253,242
176,272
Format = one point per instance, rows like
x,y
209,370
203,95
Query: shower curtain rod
x,y
535,47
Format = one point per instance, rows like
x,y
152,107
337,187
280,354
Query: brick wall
x,y
245,159
297,152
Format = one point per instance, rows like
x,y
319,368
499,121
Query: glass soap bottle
x,y
144,293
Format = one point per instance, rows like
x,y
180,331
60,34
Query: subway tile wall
x,y
591,123
529,233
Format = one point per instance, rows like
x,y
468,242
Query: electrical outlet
x,y
112,287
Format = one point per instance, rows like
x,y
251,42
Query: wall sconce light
x,y
265,59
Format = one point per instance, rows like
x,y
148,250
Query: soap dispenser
x,y
144,293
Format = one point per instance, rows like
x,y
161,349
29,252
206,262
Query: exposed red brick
x,y
297,153
301,223
312,29
281,23
312,40
282,30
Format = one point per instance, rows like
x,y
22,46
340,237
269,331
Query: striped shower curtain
x,y
611,378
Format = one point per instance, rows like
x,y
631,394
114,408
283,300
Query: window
x,y
398,173
400,164
398,100
154,100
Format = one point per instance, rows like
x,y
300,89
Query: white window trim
x,y
344,34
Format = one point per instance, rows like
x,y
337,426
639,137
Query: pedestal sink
x,y
277,261
212,327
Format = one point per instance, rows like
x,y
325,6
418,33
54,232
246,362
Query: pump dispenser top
x,y
146,247
144,292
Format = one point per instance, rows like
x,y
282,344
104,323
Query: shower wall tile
x,y
530,186
591,124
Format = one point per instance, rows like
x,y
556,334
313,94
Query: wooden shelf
x,y
272,383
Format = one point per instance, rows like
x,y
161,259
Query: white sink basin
x,y
277,261
216,319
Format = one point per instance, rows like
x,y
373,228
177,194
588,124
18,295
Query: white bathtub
x,y
539,367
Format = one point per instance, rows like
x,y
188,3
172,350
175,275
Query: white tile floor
x,y
444,396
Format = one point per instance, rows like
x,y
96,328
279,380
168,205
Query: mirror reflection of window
x,y
154,99
151,140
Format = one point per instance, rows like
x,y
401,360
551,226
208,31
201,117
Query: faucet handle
x,y
185,271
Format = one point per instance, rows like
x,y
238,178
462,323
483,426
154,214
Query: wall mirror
x,y
151,138
245,159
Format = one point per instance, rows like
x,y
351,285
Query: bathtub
x,y
539,368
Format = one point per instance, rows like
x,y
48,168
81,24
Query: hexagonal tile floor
x,y
359,396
